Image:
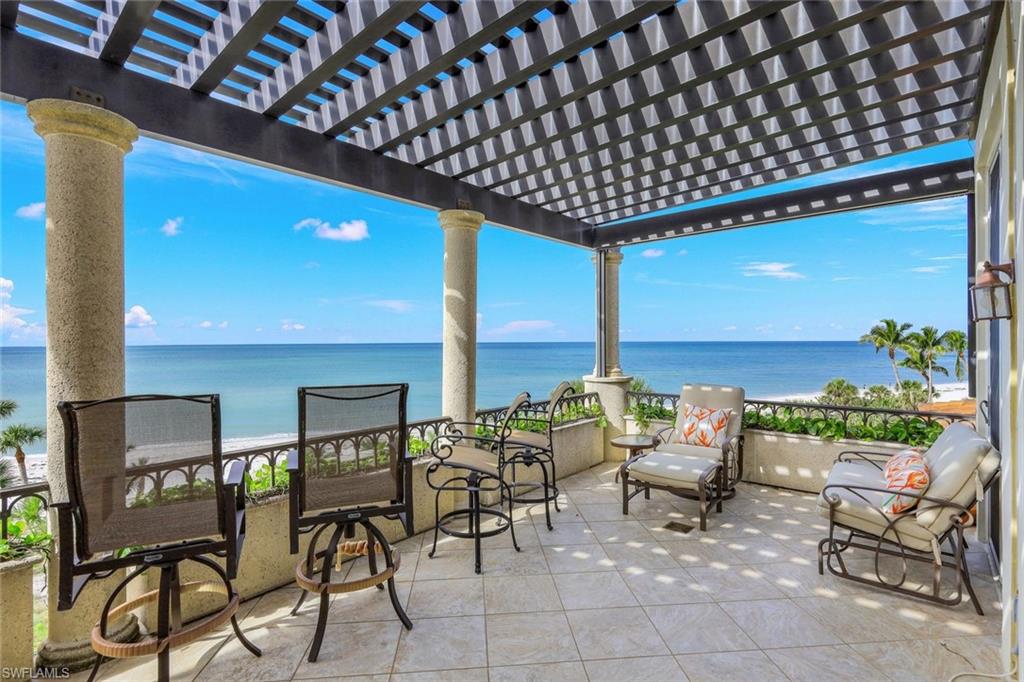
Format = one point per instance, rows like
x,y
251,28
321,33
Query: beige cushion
x,y
664,468
717,398
864,514
537,440
957,454
692,450
471,458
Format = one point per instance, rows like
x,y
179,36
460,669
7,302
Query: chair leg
x,y
325,597
625,492
437,522
721,490
965,575
298,604
474,505
96,667
554,482
371,556
163,623
547,502
511,525
702,496
389,562
250,647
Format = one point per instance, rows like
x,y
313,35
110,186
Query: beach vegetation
x,y
956,343
26,532
17,437
891,336
6,474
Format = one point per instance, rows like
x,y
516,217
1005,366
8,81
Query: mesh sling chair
x,y
469,459
351,467
535,428
145,472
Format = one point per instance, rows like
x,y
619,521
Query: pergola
x,y
572,121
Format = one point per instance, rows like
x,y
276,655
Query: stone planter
x,y
798,461
16,601
785,460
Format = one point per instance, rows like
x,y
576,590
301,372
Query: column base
x,y
612,392
75,656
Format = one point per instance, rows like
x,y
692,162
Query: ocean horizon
x,y
257,382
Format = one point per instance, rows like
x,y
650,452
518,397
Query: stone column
x,y
458,338
612,388
85,148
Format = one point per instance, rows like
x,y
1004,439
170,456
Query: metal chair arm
x,y
659,438
936,503
865,456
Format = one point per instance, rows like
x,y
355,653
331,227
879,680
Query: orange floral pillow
x,y
904,471
702,426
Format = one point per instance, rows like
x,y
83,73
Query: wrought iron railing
x,y
11,498
572,408
829,421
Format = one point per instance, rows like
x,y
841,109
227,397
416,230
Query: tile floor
x,y
604,597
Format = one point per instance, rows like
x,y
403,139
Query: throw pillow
x,y
905,471
703,426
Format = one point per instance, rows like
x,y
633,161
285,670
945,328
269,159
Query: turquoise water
x,y
257,383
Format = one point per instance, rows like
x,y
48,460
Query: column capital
x,y
63,116
611,257
460,218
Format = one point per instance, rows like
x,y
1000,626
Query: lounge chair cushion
x,y
668,469
692,450
957,454
715,397
532,438
863,513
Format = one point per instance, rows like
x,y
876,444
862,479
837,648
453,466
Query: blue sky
x,y
218,251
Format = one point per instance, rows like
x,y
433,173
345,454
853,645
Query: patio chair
x,y
535,428
351,467
471,459
730,453
147,490
961,465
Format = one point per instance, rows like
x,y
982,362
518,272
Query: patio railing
x,y
573,408
817,419
11,497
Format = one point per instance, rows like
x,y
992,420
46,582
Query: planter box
x,y
798,461
16,602
785,460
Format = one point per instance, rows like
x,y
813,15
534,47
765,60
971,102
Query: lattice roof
x,y
551,117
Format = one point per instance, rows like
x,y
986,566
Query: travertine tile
x,y
701,552
442,644
569,671
698,628
615,633
605,511
621,531
567,534
665,586
350,649
459,675
593,590
446,564
834,663
660,668
577,559
758,550
734,665
639,555
516,638
864,618
455,597
274,608
520,594
596,496
734,583
365,605
510,562
778,623
934,659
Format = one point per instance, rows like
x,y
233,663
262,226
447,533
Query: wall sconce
x,y
990,295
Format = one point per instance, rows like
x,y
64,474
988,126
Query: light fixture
x,y
990,295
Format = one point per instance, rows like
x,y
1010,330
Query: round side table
x,y
634,444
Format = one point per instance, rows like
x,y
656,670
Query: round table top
x,y
633,440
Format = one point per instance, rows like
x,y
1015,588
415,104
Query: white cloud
x,y
12,316
172,226
846,278
137,317
289,326
311,265
6,287
223,325
652,253
207,324
517,326
775,270
797,328
930,269
835,325
33,211
763,328
683,252
351,231
955,256
730,328
395,305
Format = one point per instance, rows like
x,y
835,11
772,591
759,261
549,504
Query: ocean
x,y
257,382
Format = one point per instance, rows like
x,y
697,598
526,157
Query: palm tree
x,y
7,408
891,336
955,341
16,437
923,349
6,477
